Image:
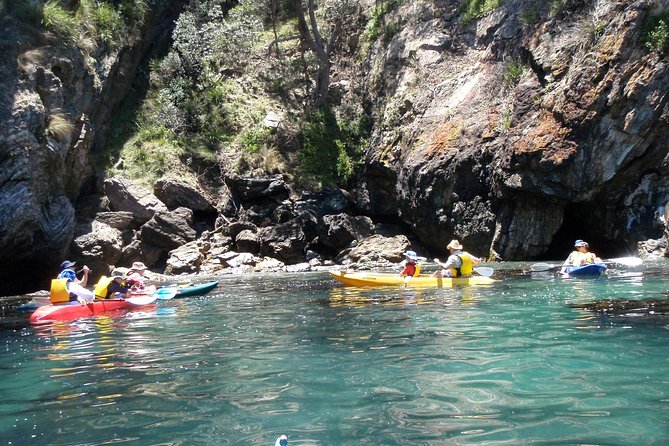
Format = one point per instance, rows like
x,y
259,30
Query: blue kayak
x,y
590,270
195,290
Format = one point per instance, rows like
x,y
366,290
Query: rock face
x,y
523,137
54,106
515,133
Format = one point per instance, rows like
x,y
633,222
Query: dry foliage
x,y
59,126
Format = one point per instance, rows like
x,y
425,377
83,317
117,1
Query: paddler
x,y
411,266
135,276
67,288
459,264
580,256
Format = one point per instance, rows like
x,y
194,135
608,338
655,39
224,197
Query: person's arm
x,y
84,277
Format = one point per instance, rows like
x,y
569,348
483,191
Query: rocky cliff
x,y
59,90
521,135
516,129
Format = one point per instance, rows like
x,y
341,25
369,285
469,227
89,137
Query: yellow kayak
x,y
390,279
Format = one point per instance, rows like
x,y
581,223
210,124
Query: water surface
x,y
512,363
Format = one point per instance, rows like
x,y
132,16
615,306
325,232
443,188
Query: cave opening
x,y
581,222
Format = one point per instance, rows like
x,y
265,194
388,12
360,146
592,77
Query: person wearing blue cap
x,y
68,285
580,256
411,266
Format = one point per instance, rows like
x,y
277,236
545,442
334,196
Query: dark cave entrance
x,y
581,221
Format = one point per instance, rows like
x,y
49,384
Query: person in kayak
x,y
113,287
580,256
411,266
67,287
459,264
135,277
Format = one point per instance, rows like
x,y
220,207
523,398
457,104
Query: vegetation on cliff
x,y
248,87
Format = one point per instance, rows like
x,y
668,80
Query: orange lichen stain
x,y
444,138
550,138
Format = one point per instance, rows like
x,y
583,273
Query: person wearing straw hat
x,y
459,264
135,276
580,256
411,266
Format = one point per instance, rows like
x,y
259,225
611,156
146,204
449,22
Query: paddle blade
x,y
143,299
627,261
484,271
539,267
165,293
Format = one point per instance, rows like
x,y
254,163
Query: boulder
x,y
338,231
288,241
186,259
247,188
118,220
97,245
169,229
174,193
124,195
378,250
247,241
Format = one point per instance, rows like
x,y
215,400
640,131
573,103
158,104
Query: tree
x,y
311,36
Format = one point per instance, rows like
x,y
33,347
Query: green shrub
x,y
330,153
473,9
377,26
557,6
109,23
656,33
60,22
513,72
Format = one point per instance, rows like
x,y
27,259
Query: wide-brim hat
x,y
138,266
580,243
411,255
67,264
454,245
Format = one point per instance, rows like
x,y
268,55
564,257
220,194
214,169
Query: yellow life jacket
x,y
417,271
466,266
58,292
102,287
582,258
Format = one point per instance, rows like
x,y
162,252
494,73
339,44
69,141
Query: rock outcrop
x,y
55,105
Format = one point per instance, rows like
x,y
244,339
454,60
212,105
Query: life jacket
x,y
466,266
59,292
581,258
102,287
411,269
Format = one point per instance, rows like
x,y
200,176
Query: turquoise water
x,y
508,364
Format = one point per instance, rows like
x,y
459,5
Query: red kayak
x,y
71,312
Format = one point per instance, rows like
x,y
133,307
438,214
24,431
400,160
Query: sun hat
x,y
454,245
580,243
67,264
138,266
411,255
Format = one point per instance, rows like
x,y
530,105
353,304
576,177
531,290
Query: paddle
x,y
540,267
626,261
165,293
484,271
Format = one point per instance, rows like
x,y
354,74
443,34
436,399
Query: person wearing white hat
x,y
580,256
459,264
135,276
410,263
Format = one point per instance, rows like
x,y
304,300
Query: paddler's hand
x,y
82,301
85,269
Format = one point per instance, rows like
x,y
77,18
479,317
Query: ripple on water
x,y
507,364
